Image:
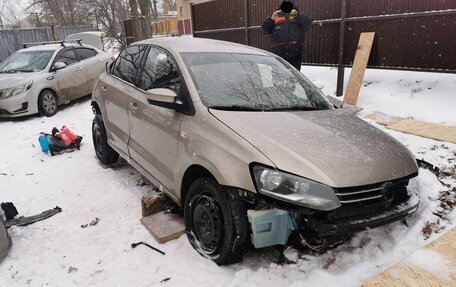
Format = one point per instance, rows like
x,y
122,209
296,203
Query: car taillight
x,y
113,58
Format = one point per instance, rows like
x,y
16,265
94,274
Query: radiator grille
x,y
371,193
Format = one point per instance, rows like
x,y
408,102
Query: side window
x,y
66,56
127,64
85,53
160,71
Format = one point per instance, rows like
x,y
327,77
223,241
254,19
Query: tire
x,y
48,103
209,222
105,154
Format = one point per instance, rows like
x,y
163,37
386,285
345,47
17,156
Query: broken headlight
x,y
294,189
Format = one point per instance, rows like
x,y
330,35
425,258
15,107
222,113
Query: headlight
x,y
294,189
14,91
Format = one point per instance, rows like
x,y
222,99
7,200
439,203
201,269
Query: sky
x,y
13,10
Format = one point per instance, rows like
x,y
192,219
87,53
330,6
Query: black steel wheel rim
x,y
207,223
98,140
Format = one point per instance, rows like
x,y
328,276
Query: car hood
x,y
330,146
15,79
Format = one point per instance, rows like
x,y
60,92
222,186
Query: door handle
x,y
104,89
99,60
134,106
78,69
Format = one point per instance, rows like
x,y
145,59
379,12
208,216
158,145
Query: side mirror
x,y
165,98
58,66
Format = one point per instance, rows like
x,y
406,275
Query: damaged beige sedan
x,y
247,146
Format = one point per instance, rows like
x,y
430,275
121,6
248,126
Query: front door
x,y
72,79
154,130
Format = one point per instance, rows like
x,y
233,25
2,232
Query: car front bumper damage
x,y
349,225
274,222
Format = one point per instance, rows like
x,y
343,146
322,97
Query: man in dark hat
x,y
287,27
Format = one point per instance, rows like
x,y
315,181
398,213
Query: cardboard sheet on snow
x,y
383,119
419,128
407,274
425,129
164,226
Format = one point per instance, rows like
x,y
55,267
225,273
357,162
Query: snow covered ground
x,y
58,252
424,96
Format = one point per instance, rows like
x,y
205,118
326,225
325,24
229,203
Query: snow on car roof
x,y
188,44
97,33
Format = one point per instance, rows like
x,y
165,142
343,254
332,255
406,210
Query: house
x,y
184,15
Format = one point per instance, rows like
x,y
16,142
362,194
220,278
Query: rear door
x,y
153,129
72,79
117,86
92,64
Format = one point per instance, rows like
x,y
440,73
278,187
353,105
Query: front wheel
x,y
48,103
105,154
209,222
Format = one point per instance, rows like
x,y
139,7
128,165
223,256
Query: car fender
x,y
97,97
207,142
41,82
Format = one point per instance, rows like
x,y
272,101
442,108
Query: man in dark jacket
x,y
287,27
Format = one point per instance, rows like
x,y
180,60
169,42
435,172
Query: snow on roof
x,y
188,44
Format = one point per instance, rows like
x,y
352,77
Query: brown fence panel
x,y
411,34
218,15
320,9
236,36
407,43
359,8
322,44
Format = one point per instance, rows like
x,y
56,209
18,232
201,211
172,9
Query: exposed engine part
x,y
313,243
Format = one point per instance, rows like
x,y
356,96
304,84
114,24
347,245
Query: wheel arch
x,y
51,90
191,174
96,108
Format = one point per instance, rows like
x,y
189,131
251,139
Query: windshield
x,y
251,82
31,61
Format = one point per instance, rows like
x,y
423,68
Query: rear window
x,y
85,53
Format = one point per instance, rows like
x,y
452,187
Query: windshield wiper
x,y
235,108
298,108
18,71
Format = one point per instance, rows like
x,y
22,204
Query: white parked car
x,y
92,38
48,74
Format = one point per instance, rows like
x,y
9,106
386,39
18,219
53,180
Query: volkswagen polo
x,y
247,146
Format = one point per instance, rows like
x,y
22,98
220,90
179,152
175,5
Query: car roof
x,y
190,44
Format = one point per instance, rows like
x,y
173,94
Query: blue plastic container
x,y
270,227
44,143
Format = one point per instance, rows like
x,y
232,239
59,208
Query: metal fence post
x,y
340,64
246,22
54,38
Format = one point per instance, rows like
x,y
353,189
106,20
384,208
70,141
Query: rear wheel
x,y
209,222
48,103
106,155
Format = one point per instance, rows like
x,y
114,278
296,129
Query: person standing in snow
x,y
287,27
